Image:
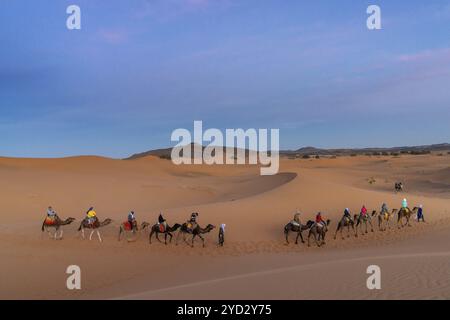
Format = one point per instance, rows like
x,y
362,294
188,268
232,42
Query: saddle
x,y
127,226
161,227
190,226
50,221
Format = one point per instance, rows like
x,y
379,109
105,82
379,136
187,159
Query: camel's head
x,y
328,222
144,225
374,212
107,221
210,227
70,220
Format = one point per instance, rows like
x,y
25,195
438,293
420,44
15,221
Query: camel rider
x,y
192,223
296,221
363,210
51,215
319,220
405,205
131,220
347,214
91,215
162,223
384,210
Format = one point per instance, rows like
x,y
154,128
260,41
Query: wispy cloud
x,y
112,36
425,55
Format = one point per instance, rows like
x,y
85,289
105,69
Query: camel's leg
x,y
203,240
150,237
165,238
82,233
371,226
184,239
157,237
178,237
92,232
171,236
338,228
193,237
301,236
61,235
120,233
99,237
286,234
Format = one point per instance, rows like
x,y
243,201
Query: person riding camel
x,y
320,221
363,210
51,215
132,221
347,215
296,220
405,204
91,216
192,223
384,210
162,223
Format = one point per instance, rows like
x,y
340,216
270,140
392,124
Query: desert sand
x,y
255,262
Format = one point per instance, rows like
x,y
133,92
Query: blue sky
x,y
139,69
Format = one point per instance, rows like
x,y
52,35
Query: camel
x,y
57,223
366,219
318,233
405,213
345,222
299,228
125,227
197,231
167,232
398,187
94,226
386,218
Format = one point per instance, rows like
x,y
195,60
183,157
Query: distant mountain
x,y
166,153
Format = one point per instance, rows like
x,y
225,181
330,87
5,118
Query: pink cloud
x,y
112,36
425,55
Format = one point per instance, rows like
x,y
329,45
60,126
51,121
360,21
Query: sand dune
x,y
255,263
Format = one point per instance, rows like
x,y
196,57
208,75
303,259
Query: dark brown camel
x,y
386,219
167,232
124,228
366,219
298,228
345,222
57,223
319,233
196,232
405,213
93,226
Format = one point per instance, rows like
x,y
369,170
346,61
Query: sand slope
x,y
255,263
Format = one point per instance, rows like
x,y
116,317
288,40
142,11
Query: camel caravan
x,y
130,228
316,229
363,222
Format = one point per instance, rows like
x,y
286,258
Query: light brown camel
x,y
57,223
386,219
195,232
405,213
318,233
298,228
345,222
94,226
125,228
366,219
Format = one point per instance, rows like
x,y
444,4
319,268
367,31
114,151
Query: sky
x,y
139,69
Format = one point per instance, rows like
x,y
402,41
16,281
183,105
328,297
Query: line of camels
x,y
125,228
318,233
358,220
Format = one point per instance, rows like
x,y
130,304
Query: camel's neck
x,y
104,223
67,221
